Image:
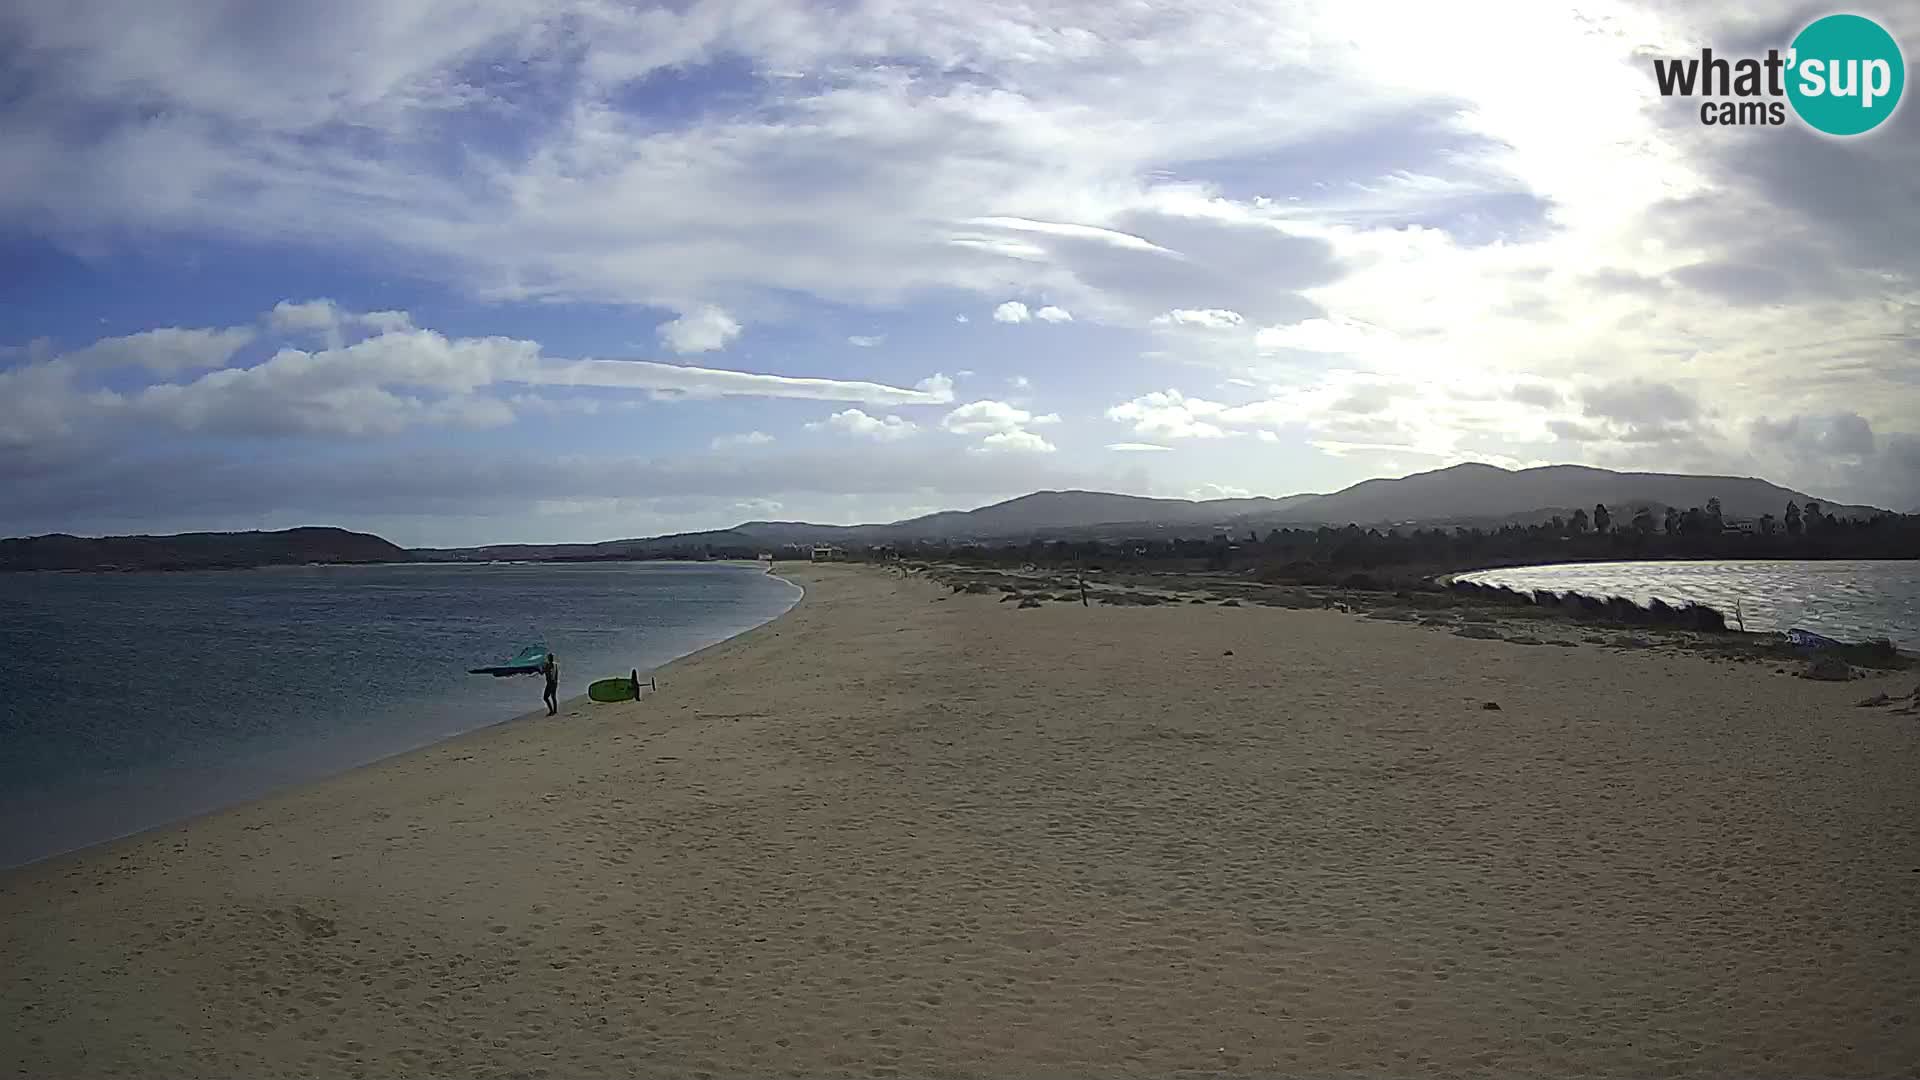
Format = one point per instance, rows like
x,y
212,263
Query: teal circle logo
x,y
1845,74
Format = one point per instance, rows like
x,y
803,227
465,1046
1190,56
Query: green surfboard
x,y
612,690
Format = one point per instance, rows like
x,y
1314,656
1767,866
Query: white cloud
x,y
288,317
978,417
1002,426
866,341
745,438
935,389
1013,311
1073,231
378,385
1025,442
1138,447
1053,314
960,318
698,382
382,322
703,329
1201,318
1020,382
1218,491
856,422
165,350
324,316
1171,414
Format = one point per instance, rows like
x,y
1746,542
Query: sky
x,y
465,271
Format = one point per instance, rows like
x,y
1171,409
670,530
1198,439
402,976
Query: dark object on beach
x,y
1485,632
1490,706
1229,603
1807,639
1827,669
1877,699
1229,652
1029,602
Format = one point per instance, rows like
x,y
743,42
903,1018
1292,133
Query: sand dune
x,y
902,832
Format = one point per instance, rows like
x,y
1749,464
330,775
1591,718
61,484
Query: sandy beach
x,y
905,832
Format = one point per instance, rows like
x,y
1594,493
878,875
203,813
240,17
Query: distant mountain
x,y
1045,510
1488,491
1461,494
196,551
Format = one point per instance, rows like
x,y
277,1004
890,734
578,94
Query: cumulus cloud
x,y
1013,311
289,317
1016,441
1637,410
704,329
856,422
865,341
992,416
381,384
1053,314
324,316
167,350
1002,426
1170,414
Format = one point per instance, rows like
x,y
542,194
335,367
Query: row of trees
x,y
1701,521
1308,554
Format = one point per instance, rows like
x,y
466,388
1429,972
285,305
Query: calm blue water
x,y
1850,601
130,700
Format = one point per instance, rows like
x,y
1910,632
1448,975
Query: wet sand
x,y
906,832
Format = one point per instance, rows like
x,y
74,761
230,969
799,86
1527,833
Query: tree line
x,y
1799,532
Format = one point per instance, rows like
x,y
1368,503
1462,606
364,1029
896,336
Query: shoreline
x,y
906,830
570,704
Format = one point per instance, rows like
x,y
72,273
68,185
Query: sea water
x,y
131,700
1850,600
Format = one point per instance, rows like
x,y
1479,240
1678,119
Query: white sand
x,y
902,832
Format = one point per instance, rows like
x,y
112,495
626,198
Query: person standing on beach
x,y
551,669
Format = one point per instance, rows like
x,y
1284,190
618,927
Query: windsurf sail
x,y
527,661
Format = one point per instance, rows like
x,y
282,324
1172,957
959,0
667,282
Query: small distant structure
x,y
1745,528
828,553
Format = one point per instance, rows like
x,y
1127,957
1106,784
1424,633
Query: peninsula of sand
x,y
901,831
